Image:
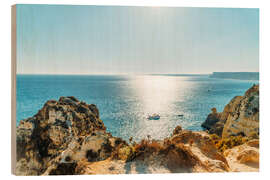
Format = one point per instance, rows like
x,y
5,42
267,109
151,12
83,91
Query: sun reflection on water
x,y
157,94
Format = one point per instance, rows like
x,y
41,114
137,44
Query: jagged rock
x,y
245,119
204,149
94,147
44,136
212,123
172,155
211,119
177,130
240,116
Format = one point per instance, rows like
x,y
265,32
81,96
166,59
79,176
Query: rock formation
x,y
60,128
240,116
244,158
185,151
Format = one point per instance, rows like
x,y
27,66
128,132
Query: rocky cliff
x,y
68,137
239,117
42,140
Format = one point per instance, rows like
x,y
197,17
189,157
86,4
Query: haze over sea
x,y
125,101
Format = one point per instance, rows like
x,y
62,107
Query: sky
x,y
58,39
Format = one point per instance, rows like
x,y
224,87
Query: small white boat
x,y
153,117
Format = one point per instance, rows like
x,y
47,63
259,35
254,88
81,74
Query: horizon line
x,y
139,73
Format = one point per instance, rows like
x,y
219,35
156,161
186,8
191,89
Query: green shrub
x,y
250,99
230,142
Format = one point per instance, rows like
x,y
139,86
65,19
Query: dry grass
x,y
227,143
148,146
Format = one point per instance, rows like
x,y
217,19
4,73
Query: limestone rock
x,y
213,122
240,116
245,119
244,158
201,146
185,151
44,136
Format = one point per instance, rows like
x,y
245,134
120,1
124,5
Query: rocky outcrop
x,y
240,116
244,158
185,151
203,149
214,123
245,119
237,128
59,128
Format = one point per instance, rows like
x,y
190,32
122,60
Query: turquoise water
x,y
124,102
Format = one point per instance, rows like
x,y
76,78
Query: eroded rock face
x,y
214,123
244,158
245,119
158,157
185,151
204,149
52,130
239,117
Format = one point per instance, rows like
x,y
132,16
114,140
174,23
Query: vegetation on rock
x,y
223,144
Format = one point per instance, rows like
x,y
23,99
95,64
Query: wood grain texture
x,y
13,88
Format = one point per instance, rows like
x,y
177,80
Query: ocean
x,y
125,101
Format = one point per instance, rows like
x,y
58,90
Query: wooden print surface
x,y
134,90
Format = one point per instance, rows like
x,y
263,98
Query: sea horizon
x,y
105,74
125,101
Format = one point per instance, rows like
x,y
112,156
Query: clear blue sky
x,y
111,40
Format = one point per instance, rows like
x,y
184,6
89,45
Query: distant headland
x,y
236,75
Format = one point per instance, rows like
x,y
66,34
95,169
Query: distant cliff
x,y
236,75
